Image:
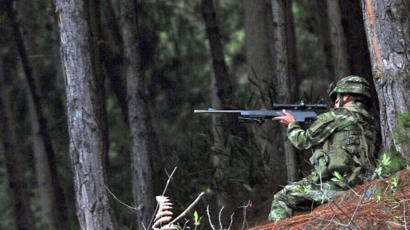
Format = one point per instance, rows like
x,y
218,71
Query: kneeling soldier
x,y
342,140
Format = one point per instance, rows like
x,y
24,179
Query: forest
x,y
97,101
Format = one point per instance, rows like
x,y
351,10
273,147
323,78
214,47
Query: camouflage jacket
x,y
341,140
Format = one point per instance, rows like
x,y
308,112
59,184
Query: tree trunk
x,y
15,167
84,123
357,49
337,39
223,83
222,94
113,60
387,26
95,28
43,174
283,77
48,201
138,115
333,38
52,196
258,31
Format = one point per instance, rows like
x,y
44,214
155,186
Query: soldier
x,y
342,140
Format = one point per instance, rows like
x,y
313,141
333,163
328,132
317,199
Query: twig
x,y
163,193
116,198
230,223
334,221
394,223
357,206
404,216
331,221
341,210
199,221
353,190
188,209
335,216
244,213
169,180
254,82
186,222
337,206
209,218
220,217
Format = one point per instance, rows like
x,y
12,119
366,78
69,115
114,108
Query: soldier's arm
x,y
318,132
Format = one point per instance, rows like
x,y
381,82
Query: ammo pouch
x,y
326,162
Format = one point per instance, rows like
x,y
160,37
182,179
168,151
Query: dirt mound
x,y
378,204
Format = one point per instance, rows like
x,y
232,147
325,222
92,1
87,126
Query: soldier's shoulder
x,y
342,112
326,117
334,115
344,117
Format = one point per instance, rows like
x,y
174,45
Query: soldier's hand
x,y
285,119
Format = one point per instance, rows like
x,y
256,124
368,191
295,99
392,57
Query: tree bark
x,y
222,94
283,76
333,38
138,114
48,201
52,195
337,39
387,26
223,83
356,44
15,167
95,28
357,48
258,38
84,123
113,59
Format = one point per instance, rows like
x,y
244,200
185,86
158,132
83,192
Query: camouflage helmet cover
x,y
351,84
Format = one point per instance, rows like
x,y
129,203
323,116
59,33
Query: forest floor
x,y
377,204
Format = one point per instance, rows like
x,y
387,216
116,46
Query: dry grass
x,y
378,204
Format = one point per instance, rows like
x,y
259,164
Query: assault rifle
x,y
301,111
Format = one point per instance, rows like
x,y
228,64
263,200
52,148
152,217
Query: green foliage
x,y
197,219
393,183
338,177
402,132
389,163
303,188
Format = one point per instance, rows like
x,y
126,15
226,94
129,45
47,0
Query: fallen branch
x,y
116,198
209,218
357,206
244,213
188,209
163,193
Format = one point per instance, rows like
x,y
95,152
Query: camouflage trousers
x,y
297,195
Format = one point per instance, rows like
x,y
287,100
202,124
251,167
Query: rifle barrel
x,y
262,113
216,111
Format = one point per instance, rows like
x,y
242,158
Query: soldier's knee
x,y
279,211
281,195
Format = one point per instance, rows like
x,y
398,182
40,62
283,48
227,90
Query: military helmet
x,y
351,85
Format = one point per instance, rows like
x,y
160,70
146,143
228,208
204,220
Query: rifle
x,y
301,111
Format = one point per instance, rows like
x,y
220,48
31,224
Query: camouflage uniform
x,y
341,140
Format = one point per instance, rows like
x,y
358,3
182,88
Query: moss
x,y
402,131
